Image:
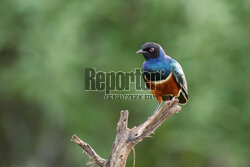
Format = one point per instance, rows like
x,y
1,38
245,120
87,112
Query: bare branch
x,y
153,122
126,138
89,151
123,122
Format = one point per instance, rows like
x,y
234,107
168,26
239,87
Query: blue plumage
x,y
161,64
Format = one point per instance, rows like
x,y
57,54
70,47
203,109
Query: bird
x,y
163,75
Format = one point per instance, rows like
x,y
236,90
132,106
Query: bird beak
x,y
141,51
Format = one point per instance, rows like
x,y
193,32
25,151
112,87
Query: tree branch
x,y
89,151
126,138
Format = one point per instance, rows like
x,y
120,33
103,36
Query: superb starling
x,y
162,74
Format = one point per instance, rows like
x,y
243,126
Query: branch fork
x,y
126,138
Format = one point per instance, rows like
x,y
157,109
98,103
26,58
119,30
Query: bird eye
x,y
151,49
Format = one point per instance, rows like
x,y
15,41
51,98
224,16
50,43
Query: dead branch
x,y
126,138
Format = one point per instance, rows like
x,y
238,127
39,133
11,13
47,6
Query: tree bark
x,y
126,138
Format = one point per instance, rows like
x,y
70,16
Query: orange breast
x,y
166,87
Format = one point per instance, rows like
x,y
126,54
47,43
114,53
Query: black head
x,y
150,50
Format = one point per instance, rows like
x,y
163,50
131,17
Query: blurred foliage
x,y
45,46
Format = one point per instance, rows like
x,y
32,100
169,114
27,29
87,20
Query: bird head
x,y
151,50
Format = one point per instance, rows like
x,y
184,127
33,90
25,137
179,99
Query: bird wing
x,y
180,79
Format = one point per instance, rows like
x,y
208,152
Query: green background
x,y
45,46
